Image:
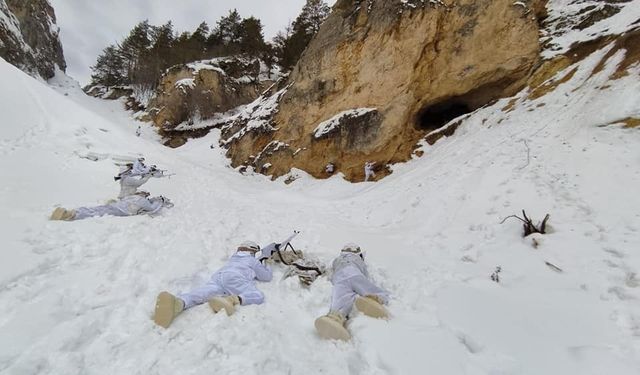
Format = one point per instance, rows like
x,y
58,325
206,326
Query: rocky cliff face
x,y
29,37
195,96
382,74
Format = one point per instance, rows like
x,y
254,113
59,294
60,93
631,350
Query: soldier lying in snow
x,y
233,284
351,285
136,204
136,175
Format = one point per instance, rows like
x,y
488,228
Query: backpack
x,y
307,269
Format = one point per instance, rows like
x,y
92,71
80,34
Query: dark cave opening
x,y
435,116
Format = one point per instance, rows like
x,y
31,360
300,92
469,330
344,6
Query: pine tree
x,y
313,15
303,30
145,54
200,34
134,47
109,69
197,42
181,50
252,40
159,56
280,40
229,29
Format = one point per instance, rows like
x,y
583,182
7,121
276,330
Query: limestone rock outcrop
x,y
195,95
380,75
29,37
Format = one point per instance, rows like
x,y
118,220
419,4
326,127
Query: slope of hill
x,y
77,297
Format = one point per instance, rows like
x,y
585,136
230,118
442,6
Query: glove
x,y
268,250
166,202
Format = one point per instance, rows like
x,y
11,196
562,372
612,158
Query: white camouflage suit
x,y
237,277
129,184
132,179
351,279
127,206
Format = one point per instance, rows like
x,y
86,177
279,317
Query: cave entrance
x,y
436,115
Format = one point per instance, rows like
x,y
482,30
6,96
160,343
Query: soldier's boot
x,y
331,326
62,214
371,305
168,307
228,303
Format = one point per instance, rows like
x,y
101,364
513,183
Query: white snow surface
x,y
77,297
563,36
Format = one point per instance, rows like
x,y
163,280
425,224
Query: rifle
x,y
275,247
153,173
283,244
162,173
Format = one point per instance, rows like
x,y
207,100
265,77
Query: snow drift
x,y
78,297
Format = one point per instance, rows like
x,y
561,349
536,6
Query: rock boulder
x,y
399,69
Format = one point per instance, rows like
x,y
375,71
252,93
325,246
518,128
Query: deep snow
x,y
77,297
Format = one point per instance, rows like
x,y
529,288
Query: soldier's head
x,y
351,248
249,246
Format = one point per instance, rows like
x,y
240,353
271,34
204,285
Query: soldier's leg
x,y
342,298
245,289
201,294
365,287
370,298
85,212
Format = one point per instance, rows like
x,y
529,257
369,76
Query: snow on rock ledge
x,y
255,118
341,119
192,93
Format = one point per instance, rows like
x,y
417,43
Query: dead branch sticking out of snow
x,y
495,276
528,225
553,266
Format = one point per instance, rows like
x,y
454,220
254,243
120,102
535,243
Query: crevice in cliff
x,y
436,115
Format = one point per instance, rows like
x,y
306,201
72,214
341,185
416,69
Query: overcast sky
x,y
88,26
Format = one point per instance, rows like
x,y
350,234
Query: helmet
x,y
351,248
249,246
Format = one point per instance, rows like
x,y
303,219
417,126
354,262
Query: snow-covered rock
x,y
420,63
189,95
29,37
341,120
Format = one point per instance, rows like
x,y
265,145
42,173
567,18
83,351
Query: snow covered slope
x,y
77,297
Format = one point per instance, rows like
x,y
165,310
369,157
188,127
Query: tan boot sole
x,y
165,309
219,303
68,215
57,213
371,308
330,329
